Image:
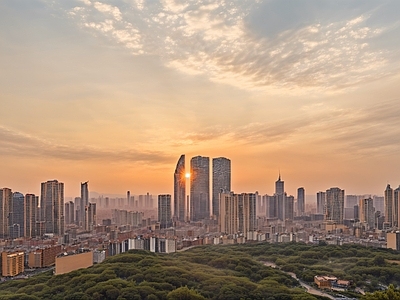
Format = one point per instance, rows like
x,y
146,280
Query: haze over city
x,y
115,91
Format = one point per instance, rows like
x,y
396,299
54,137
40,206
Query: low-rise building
x,y
12,263
68,262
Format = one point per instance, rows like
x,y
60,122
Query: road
x,y
308,288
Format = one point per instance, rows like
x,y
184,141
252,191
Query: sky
x,y
114,91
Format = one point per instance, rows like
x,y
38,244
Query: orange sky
x,y
114,92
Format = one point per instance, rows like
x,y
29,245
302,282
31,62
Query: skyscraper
x,y
16,218
389,206
180,189
164,211
5,202
321,201
52,206
31,208
221,181
199,188
300,201
84,203
334,205
271,210
228,219
280,196
90,216
289,208
396,207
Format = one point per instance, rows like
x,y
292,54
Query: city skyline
x,y
114,91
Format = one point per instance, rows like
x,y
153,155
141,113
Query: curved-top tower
x,y
180,189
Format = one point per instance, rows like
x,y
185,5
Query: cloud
x,y
371,130
20,144
211,38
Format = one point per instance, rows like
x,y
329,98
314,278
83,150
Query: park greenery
x,y
216,272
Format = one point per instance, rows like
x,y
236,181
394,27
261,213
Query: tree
x,y
390,294
183,293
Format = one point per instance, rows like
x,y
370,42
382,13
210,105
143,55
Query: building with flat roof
x,y
68,262
12,263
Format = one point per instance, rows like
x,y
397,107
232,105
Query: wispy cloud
x,y
211,38
20,144
374,129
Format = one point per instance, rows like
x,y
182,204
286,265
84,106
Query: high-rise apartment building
x,y
389,206
321,202
301,197
16,217
5,202
367,213
334,205
90,216
52,206
164,211
199,188
180,189
31,216
237,213
221,181
69,212
228,220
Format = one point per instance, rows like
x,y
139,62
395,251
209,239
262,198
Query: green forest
x,y
216,272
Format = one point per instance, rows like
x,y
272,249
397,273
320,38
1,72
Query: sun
x,y
187,175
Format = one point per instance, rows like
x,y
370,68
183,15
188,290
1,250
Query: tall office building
x,y
396,207
199,188
164,211
180,189
31,217
389,206
334,205
221,181
52,207
84,203
280,197
271,210
67,215
367,212
16,217
321,199
5,202
301,201
289,208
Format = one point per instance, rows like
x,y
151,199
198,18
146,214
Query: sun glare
x,y
187,175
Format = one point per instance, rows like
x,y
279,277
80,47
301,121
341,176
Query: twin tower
x,y
199,201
